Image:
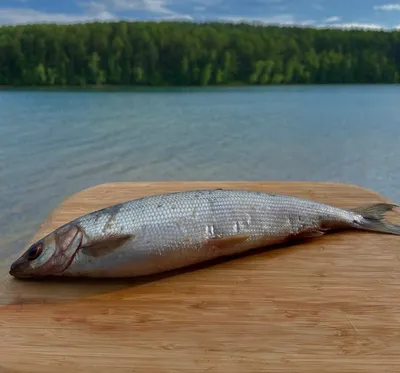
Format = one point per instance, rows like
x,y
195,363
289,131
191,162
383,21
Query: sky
x,y
370,14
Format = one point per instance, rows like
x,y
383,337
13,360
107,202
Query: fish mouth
x,y
20,268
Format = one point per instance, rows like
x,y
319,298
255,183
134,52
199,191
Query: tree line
x,y
185,53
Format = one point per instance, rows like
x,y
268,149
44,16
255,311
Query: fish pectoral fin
x,y
105,246
311,233
227,241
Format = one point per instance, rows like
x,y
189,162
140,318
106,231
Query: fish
x,y
167,231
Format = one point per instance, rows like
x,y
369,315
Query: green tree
x,y
185,53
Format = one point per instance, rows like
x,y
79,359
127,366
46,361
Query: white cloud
x,y
307,22
10,16
93,6
93,10
387,7
280,19
291,20
332,19
354,25
177,17
156,7
152,6
108,10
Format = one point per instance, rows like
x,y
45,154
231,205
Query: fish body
x,y
167,231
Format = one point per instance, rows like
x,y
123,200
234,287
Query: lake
x,y
57,142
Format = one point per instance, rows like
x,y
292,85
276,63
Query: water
x,y
54,143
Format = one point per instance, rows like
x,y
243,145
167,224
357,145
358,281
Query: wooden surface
x,y
327,305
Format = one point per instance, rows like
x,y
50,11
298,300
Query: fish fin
x,y
374,218
105,246
228,241
374,211
311,233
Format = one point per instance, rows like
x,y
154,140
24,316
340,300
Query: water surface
x,y
57,142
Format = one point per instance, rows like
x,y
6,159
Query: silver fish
x,y
163,232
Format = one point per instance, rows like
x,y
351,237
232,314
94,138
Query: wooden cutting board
x,y
327,305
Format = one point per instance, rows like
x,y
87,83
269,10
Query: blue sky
x,y
335,13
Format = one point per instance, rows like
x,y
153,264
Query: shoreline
x,y
151,87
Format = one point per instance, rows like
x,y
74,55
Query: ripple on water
x,y
53,144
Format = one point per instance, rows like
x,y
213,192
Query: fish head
x,y
49,256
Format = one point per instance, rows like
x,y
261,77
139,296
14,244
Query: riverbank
x,y
116,87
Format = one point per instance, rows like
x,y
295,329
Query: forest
x,y
190,54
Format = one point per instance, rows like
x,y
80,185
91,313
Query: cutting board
x,y
330,304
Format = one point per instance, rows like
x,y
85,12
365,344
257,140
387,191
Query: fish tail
x,y
373,218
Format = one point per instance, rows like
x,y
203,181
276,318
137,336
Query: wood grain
x,y
330,304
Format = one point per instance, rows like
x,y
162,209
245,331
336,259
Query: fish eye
x,y
34,251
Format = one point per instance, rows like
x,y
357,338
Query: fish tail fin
x,y
373,218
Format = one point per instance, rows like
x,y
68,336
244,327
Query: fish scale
x,y
163,232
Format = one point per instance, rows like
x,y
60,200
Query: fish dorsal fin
x,y
105,246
